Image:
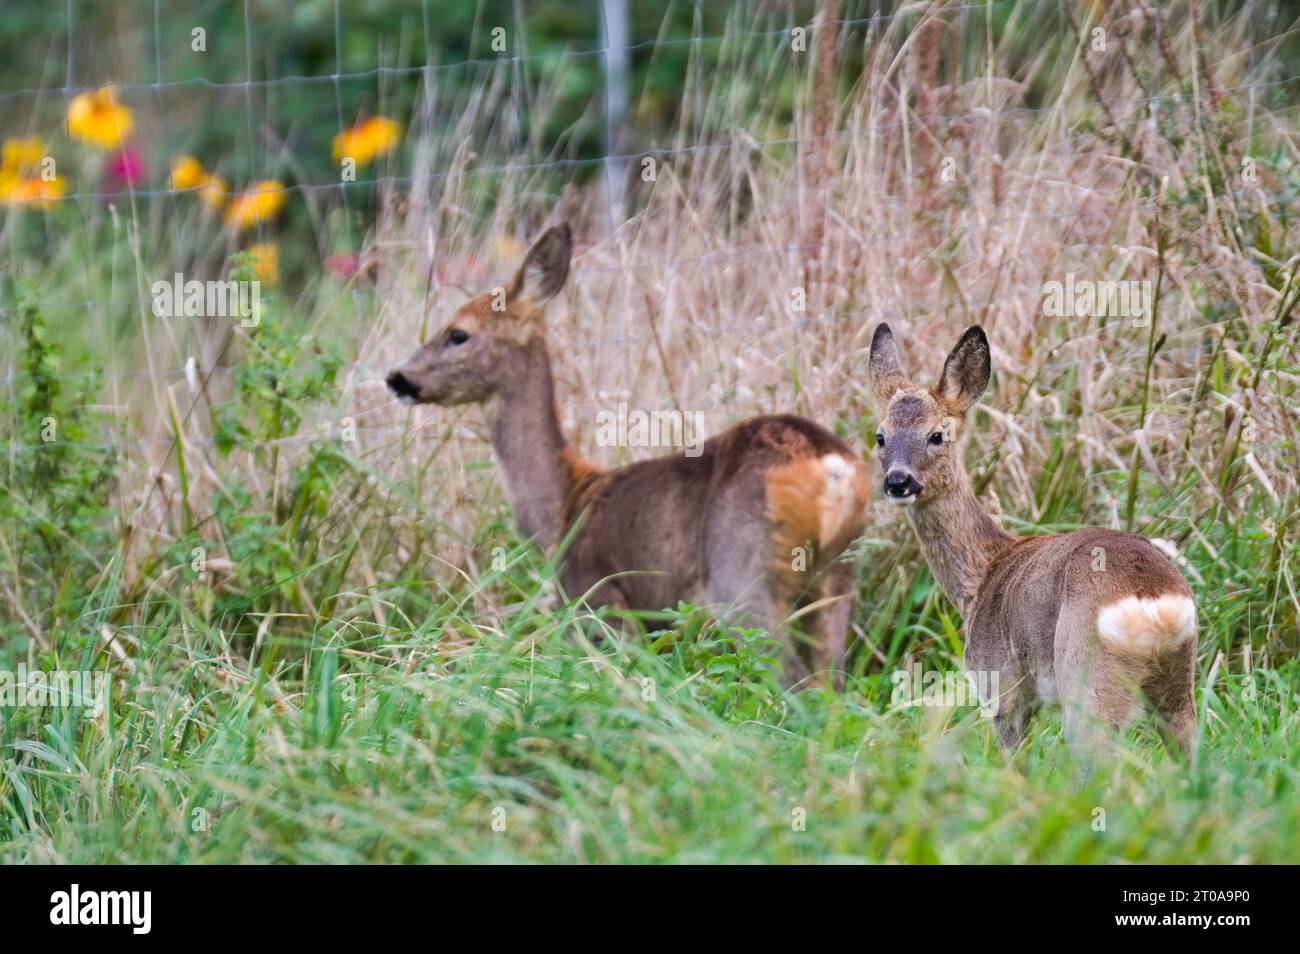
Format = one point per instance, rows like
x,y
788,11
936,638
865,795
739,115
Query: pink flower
x,y
343,264
353,267
125,169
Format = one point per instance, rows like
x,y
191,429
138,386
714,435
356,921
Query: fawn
x,y
1096,618
752,524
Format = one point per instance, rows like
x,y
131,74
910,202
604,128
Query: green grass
x,y
416,743
367,665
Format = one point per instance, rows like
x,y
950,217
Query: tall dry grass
x,y
934,187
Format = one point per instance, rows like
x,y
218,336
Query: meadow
x,y
326,641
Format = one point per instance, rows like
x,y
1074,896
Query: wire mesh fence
x,y
424,79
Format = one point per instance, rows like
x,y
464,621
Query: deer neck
x,y
959,540
530,448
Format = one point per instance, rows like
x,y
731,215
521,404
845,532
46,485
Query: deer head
x,y
489,341
918,439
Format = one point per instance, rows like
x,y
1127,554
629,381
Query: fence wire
x,y
430,70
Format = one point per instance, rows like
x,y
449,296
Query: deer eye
x,y
880,440
936,438
456,336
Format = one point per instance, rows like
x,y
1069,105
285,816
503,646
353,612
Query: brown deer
x,y
751,524
1097,618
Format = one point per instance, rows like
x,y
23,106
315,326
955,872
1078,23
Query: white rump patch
x,y
1144,625
837,468
838,500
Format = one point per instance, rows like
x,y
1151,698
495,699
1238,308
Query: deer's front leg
x,y
1004,683
598,591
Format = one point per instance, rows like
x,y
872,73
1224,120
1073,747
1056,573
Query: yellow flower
x,y
265,258
507,248
98,118
31,190
188,173
367,139
20,156
258,203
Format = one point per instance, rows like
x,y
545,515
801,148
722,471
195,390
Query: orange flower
x,y
188,173
366,140
258,203
265,259
98,118
20,181
32,190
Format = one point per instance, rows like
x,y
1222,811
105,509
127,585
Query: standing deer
x,y
1095,617
753,523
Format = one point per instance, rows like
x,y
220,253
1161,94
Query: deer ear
x,y
966,372
886,370
545,267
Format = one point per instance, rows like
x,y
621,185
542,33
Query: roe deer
x,y
1095,617
753,523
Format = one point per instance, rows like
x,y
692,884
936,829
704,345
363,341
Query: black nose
x,y
399,385
900,483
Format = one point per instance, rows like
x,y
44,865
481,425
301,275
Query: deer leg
x,y
758,605
830,624
1099,687
1004,685
1110,667
1178,729
1014,700
599,592
794,667
1105,698
740,584
755,605
1016,705
1168,688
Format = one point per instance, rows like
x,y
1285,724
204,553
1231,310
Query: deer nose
x,y
399,385
901,484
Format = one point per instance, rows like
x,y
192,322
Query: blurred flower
x,y
265,259
353,266
125,168
21,182
33,190
508,248
367,139
97,118
258,203
343,264
21,156
188,173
